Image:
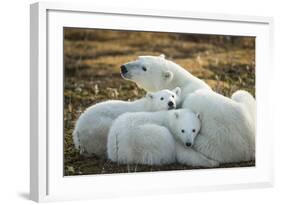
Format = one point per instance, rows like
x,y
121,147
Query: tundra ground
x,y
91,74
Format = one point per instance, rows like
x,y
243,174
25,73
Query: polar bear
x,y
228,130
154,73
155,138
91,129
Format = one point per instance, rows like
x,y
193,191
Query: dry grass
x,y
92,59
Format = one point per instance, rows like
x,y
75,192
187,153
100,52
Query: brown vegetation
x,y
91,74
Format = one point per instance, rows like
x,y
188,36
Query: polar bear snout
x,y
171,105
124,70
188,144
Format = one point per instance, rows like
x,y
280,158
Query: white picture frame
x,y
47,182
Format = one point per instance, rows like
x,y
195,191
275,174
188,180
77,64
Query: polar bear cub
x,y
153,138
91,129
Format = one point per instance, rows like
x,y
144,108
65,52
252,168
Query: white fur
x,y
228,126
91,129
161,74
227,132
154,138
248,101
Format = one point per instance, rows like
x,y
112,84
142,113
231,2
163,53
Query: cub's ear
x,y
162,56
149,95
198,116
168,75
176,114
177,90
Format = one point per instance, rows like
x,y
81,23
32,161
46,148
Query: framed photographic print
x,y
130,102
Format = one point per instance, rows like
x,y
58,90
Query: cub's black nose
x,y
123,69
170,103
188,144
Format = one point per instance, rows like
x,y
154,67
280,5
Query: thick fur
x,y
155,138
91,129
161,74
228,132
228,125
248,101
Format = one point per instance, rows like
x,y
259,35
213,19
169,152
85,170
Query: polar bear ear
x,y
177,90
162,56
168,75
176,114
198,116
149,95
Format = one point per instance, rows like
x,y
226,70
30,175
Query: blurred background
x,y
92,58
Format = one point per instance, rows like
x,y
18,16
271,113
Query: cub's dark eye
x,y
182,131
144,68
193,130
162,98
173,96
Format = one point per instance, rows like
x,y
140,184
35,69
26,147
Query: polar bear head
x,y
149,72
185,126
164,99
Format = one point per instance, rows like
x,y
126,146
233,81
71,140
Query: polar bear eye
x,y
144,68
161,98
193,130
182,131
173,96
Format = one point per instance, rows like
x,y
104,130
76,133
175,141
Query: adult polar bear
x,y
228,129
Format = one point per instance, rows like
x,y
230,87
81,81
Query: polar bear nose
x,y
188,144
170,103
123,69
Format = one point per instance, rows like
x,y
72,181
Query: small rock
x,y
78,90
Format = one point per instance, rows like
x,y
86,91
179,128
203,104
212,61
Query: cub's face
x,y
186,126
164,99
148,72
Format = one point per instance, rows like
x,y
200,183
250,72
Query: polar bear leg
x,y
93,139
190,157
118,143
